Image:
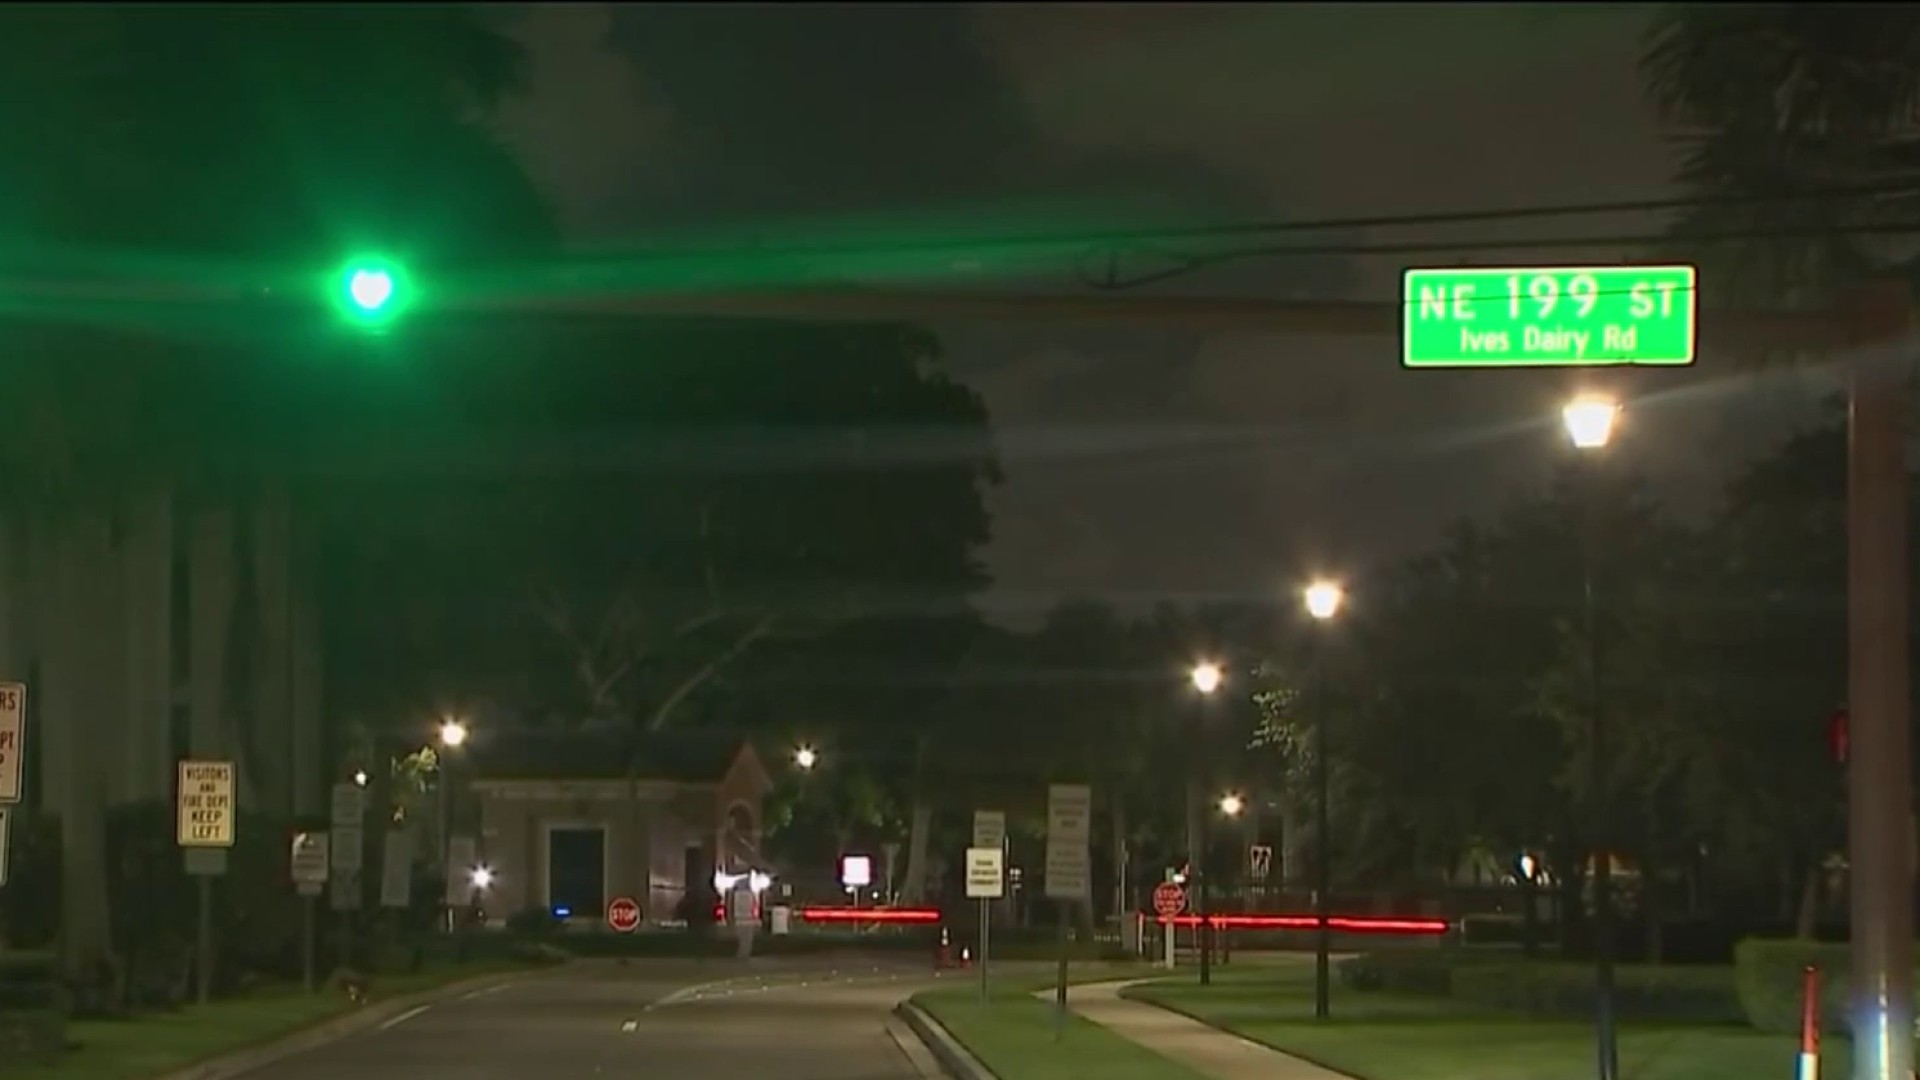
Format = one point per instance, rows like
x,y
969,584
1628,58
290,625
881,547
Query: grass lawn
x,y
1381,1036
1013,1034
160,1043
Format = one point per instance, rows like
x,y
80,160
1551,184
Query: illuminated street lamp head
x,y
1590,420
452,734
1206,677
805,757
360,777
1231,804
482,877
1324,599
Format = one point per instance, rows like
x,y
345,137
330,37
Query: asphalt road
x,y
792,1020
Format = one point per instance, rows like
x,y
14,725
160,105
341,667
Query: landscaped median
x,y
158,1044
1013,1032
1475,1017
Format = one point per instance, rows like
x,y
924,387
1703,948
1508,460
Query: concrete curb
x,y
1198,1019
958,1062
244,1061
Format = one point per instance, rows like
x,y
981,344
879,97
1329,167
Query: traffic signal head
x,y
371,291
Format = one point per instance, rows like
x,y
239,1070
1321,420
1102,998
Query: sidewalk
x,y
1209,1050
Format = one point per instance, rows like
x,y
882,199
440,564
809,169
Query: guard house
x,y
566,829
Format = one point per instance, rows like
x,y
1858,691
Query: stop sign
x,y
623,914
1169,899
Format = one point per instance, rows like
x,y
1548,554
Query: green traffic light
x,y
371,291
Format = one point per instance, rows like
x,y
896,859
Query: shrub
x,y
33,1008
1426,971
1641,992
1768,974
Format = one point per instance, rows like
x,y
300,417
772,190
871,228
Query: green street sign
x,y
1549,316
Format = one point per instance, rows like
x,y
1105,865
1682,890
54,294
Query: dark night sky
x,y
1168,463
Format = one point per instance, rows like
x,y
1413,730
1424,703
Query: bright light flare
x,y
1324,599
806,757
453,733
1206,677
1231,804
1590,420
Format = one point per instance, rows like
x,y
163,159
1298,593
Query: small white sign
x,y
1069,813
13,740
989,828
1069,828
396,870
309,858
348,848
6,817
856,871
206,804
1260,861
984,873
349,806
1067,871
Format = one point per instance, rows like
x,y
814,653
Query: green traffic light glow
x,y
371,291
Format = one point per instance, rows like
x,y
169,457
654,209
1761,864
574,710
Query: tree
x,y
223,150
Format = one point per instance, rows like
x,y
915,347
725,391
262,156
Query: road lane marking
x,y
404,1017
484,991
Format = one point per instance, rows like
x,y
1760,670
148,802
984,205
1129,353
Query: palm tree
x,y
207,147
1781,101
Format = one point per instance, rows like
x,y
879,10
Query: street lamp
x,y
453,735
1206,678
1323,599
805,758
1231,804
1590,421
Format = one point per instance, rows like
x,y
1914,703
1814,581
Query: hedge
x,y
1769,973
1699,995
1500,979
33,1008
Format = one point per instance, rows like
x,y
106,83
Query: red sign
x,y
1169,899
623,914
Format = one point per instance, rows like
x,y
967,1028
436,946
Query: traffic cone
x,y
1810,1026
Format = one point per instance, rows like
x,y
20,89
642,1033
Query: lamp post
x,y
453,735
806,758
1590,422
1206,679
1323,600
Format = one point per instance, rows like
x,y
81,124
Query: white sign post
x,y
1069,829
204,830
986,881
206,804
396,870
13,741
347,846
308,861
989,828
